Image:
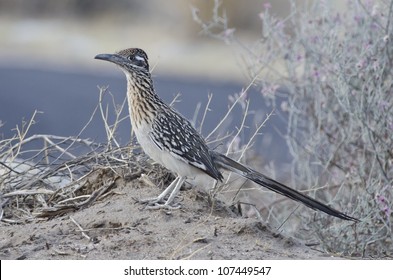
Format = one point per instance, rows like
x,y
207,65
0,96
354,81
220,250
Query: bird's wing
x,y
171,132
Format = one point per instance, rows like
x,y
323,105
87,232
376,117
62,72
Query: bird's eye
x,y
138,60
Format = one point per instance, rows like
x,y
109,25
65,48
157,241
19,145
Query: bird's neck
x,y
142,86
142,100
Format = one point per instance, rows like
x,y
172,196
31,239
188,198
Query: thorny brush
x,y
69,173
336,67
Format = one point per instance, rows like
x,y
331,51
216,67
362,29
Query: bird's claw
x,y
164,206
155,203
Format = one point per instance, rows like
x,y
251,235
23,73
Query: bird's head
x,y
129,60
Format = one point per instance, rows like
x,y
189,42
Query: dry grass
x,y
43,176
65,174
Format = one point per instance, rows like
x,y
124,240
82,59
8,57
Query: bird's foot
x,y
158,203
164,206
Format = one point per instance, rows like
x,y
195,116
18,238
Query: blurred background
x,y
66,33
46,62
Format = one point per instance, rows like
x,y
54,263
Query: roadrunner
x,y
169,139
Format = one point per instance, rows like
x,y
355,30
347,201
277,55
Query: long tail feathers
x,y
231,165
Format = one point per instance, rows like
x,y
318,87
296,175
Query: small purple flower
x,y
267,6
383,105
337,19
383,203
381,199
375,26
269,90
358,19
314,39
280,25
369,3
228,33
284,106
361,64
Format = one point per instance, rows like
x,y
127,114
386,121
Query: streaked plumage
x,y
170,139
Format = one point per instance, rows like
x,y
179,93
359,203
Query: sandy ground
x,y
117,227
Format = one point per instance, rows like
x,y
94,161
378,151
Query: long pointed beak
x,y
103,56
114,58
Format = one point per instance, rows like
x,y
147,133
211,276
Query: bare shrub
x,y
337,69
44,176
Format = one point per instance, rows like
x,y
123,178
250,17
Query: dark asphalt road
x,y
67,101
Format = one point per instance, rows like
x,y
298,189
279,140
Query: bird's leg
x,y
159,201
162,196
175,191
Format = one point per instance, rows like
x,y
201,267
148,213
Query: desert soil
x,y
118,227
